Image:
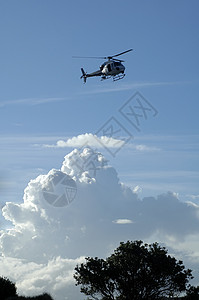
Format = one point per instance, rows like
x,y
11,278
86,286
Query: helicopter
x,y
113,67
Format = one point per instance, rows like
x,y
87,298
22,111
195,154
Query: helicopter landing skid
x,y
115,77
118,77
105,77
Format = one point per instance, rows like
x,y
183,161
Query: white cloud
x,y
54,277
92,140
89,140
53,228
142,147
123,221
137,189
194,197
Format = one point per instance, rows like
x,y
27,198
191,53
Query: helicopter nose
x,y
122,69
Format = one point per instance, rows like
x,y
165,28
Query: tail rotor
x,y
83,75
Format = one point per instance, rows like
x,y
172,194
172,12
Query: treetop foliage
x,y
7,288
8,291
44,296
134,271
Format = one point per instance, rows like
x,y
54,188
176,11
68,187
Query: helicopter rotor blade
x,y
105,57
122,53
96,57
115,59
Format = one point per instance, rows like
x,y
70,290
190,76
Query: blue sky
x,y
43,100
42,95
39,39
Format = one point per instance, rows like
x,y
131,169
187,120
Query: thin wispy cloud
x,y
142,147
20,140
134,85
194,197
123,221
31,101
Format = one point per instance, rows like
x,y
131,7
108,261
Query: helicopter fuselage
x,y
112,68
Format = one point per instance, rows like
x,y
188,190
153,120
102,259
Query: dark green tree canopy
x,y
8,291
7,288
192,293
134,271
44,296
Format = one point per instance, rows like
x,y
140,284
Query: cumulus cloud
x,y
88,139
92,140
54,277
82,209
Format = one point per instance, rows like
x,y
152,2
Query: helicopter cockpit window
x,y
117,63
102,67
109,67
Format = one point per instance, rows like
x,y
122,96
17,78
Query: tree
x,y
192,293
134,271
7,288
44,296
8,291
